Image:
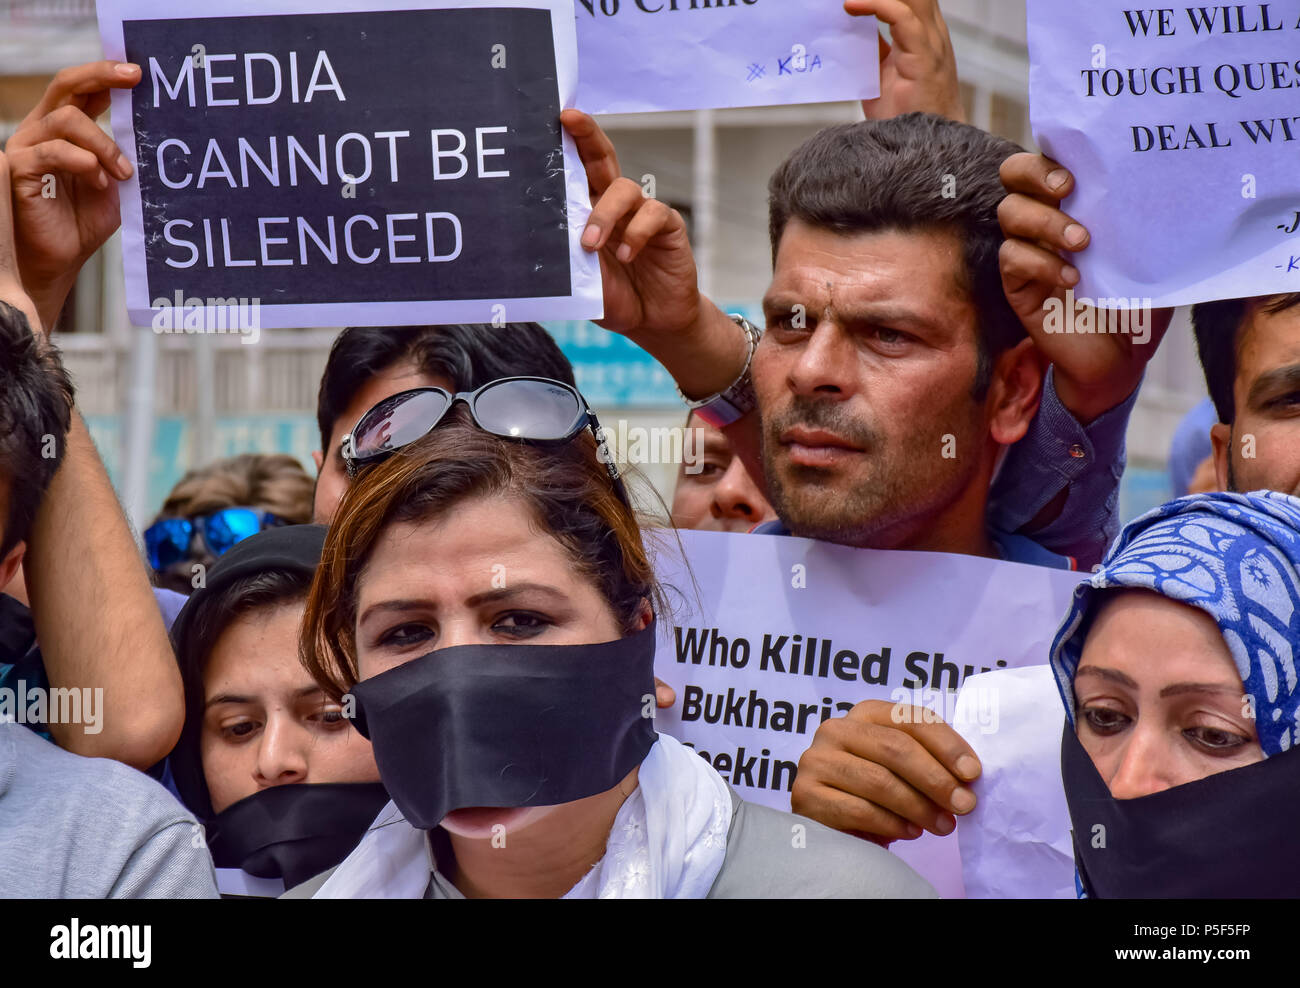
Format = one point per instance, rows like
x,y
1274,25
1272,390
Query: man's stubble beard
x,y
892,500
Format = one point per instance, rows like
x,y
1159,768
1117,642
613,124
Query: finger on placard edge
x,y
33,164
1020,260
665,695
70,124
647,222
1027,173
938,738
595,150
910,759
1023,217
611,209
843,811
590,137
880,786
82,80
905,26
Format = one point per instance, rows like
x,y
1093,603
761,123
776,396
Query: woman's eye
x,y
406,634
521,624
330,717
241,730
1105,720
1214,739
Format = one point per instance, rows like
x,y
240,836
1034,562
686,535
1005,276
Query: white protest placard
x,y
774,635
374,162
639,55
1016,843
1180,125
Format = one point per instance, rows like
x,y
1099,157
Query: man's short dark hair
x,y
469,355
35,412
916,172
1218,331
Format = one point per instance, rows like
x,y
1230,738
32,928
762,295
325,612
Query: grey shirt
x,y
92,828
769,856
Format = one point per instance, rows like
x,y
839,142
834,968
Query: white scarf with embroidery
x,y
668,840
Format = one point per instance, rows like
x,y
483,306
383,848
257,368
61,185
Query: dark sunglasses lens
x,y
397,421
168,541
529,410
225,528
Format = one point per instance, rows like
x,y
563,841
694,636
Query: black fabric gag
x,y
509,725
294,831
1230,835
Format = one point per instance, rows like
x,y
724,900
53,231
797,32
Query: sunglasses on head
x,y
167,540
530,409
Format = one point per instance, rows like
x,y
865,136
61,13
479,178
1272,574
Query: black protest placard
x,y
309,159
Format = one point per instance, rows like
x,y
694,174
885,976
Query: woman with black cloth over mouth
x,y
485,607
281,781
1177,667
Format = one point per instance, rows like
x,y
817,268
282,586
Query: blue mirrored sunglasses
x,y
167,540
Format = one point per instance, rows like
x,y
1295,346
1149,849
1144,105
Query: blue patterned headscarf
x,y
1236,557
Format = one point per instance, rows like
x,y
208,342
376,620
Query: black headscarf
x,y
291,550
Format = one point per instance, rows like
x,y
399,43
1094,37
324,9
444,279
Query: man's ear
x,y
11,563
1014,392
1221,441
318,458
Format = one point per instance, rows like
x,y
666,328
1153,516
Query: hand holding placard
x,y
651,291
919,71
1095,371
65,174
884,778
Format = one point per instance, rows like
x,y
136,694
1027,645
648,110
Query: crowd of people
x,y
315,686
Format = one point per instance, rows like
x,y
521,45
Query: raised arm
x,y
96,617
652,295
1061,482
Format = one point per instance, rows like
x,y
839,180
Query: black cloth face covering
x,y
1230,835
294,831
509,725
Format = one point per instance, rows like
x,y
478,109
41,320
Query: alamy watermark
x,y
929,706
36,705
1128,316
211,315
635,445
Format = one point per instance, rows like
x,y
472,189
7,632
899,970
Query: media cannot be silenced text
x,y
260,154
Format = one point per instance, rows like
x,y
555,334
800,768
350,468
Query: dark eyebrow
x,y
386,606
227,698
487,597
1113,675
1177,689
234,698
877,313
504,593
884,314
1275,380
